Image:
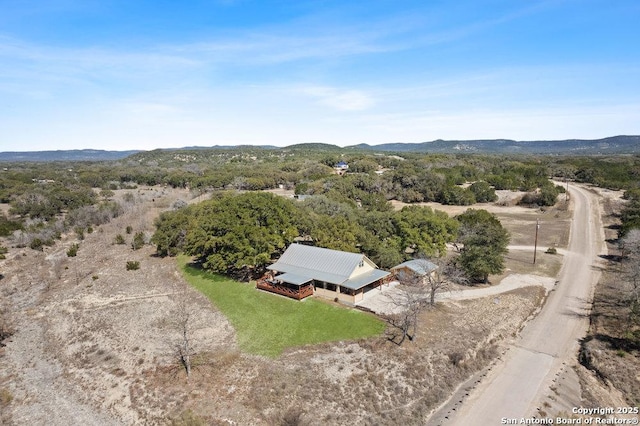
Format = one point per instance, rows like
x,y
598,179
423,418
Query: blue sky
x,y
140,74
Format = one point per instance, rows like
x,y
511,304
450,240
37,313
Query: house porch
x,y
283,288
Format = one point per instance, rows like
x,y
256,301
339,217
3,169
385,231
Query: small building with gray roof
x,y
416,269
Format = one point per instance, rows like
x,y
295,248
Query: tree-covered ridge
x,y
611,145
615,145
408,177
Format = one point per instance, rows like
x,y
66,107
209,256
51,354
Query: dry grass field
x,y
96,344
521,262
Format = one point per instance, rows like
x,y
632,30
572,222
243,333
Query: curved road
x,y
516,384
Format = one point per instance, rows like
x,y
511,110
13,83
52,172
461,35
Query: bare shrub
x,y
408,302
37,237
79,230
6,325
179,204
57,266
5,397
630,270
456,358
186,319
294,416
73,250
86,216
129,198
139,241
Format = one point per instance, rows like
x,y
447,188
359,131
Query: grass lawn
x,y
267,324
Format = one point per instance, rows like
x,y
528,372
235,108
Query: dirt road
x,y
514,387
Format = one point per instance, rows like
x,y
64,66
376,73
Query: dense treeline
x,y
410,178
41,194
236,233
240,234
256,169
630,215
45,201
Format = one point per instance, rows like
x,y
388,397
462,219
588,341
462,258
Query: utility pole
x,y
535,244
566,192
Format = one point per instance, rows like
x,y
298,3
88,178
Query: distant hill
x,y
65,155
312,146
101,155
221,147
606,146
611,145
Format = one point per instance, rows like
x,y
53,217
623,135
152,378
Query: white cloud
x,y
340,99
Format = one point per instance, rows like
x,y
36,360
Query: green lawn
x,y
266,324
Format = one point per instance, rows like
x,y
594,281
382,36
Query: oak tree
x,y
484,242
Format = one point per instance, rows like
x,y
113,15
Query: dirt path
x,y
512,282
514,387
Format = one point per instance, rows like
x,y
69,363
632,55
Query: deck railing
x,y
304,291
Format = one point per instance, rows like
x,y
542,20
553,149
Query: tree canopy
x,y
485,244
239,234
425,231
236,234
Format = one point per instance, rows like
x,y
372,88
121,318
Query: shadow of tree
x,y
616,343
611,257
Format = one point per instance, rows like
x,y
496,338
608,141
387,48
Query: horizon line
x,y
270,146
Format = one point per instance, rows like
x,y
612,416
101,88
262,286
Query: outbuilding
x,y
416,270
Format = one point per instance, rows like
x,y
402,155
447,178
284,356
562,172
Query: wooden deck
x,y
304,291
